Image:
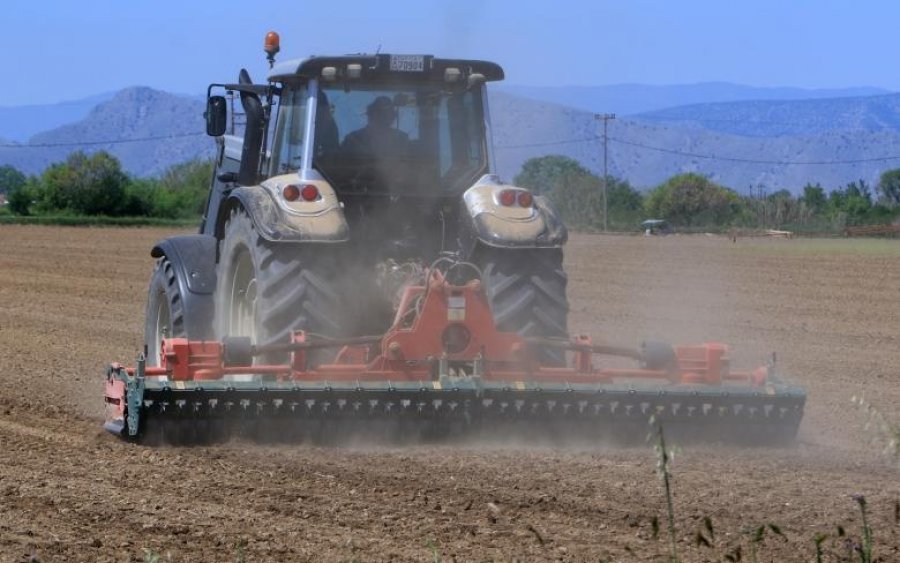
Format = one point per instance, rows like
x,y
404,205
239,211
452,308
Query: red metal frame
x,y
409,350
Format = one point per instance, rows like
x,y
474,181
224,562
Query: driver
x,y
378,139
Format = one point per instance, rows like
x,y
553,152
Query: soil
x,y
72,299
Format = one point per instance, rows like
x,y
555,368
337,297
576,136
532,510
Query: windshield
x,y
406,139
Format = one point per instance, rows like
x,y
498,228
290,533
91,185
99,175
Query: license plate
x,y
407,63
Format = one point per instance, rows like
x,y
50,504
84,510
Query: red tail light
x,y
291,192
525,199
310,193
507,197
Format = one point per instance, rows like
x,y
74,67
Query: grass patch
x,y
821,247
96,221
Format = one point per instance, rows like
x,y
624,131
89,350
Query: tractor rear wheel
x,y
165,313
527,292
266,290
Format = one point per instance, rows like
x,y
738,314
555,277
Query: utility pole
x,y
605,117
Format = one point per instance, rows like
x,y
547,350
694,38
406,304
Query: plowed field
x,y
71,300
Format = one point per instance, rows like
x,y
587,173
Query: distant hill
x,y
175,123
822,131
19,123
526,128
628,99
787,117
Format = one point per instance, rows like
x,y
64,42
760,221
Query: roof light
x,y
329,73
354,70
507,198
452,74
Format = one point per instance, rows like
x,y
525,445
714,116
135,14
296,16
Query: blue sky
x,y
53,50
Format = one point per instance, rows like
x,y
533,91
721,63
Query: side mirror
x,y
216,116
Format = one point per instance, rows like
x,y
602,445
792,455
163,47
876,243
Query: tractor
x,y
361,264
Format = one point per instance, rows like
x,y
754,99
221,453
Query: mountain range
x,y
776,143
628,99
148,130
19,123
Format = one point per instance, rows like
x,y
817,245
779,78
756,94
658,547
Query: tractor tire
x,y
164,317
526,289
266,290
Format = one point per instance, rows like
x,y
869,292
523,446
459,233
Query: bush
x,y
183,190
578,193
95,185
84,185
10,179
693,200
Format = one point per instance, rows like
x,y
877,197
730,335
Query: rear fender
x,y
193,258
279,220
538,226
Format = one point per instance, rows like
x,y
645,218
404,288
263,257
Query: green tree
x,y
10,179
626,204
22,198
623,197
84,185
851,205
578,193
543,174
140,199
182,189
579,199
889,187
692,200
783,209
814,198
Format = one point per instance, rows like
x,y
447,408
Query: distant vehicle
x,y
657,227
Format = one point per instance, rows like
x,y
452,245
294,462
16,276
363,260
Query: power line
x,y
686,119
94,143
752,160
502,147
705,156
549,143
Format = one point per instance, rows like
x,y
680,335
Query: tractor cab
x,y
370,125
384,125
397,139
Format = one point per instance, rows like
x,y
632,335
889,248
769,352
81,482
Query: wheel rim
x,y
242,296
162,330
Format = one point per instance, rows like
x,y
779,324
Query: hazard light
x,y
271,46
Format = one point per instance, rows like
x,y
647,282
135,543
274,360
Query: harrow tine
x,y
549,417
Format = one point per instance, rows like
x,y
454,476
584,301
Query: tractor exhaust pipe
x,y
254,130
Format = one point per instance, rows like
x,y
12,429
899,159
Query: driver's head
x,y
381,112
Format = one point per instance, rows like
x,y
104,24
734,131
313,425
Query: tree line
x,y
695,201
95,185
